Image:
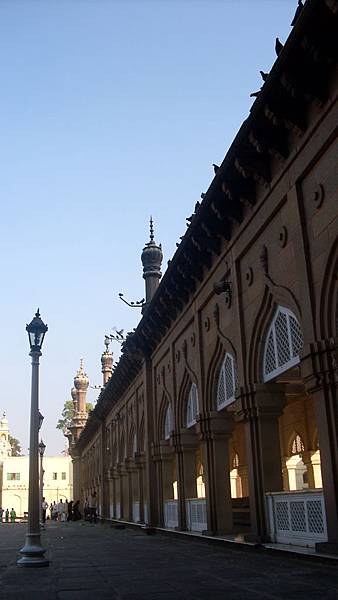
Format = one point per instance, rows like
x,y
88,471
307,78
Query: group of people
x,y
61,511
70,511
10,516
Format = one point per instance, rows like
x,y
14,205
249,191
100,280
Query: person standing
x,y
76,511
61,508
44,507
1,514
13,515
7,515
86,510
55,511
92,504
70,511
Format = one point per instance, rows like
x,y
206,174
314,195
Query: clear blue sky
x,y
110,111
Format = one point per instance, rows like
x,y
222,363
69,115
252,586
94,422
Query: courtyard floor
x,y
99,562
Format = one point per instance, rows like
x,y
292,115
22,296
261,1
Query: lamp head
x,y
42,448
36,332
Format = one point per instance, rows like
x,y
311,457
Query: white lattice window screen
x,y
297,445
235,462
227,382
192,406
284,341
168,423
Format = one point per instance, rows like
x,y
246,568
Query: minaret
x,y
107,362
5,447
79,394
81,383
151,259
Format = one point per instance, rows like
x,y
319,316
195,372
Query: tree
x,y
67,415
15,445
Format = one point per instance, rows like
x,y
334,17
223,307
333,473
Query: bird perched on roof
x,y
278,47
216,167
297,13
264,75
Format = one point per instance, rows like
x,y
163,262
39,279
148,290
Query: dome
x,y
73,393
81,380
152,256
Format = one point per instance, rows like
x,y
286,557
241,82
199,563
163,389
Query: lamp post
x,y
42,448
32,554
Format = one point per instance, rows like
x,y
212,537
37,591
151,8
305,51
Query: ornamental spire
x,y
151,230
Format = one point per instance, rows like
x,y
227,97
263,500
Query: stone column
x,y
77,480
320,371
115,490
104,473
150,474
130,468
215,430
120,490
242,471
285,474
260,409
165,465
125,495
140,462
185,444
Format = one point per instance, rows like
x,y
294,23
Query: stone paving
x,y
99,562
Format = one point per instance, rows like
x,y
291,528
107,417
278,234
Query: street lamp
x,y
32,554
42,448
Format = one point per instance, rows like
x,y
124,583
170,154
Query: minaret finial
x,y
151,229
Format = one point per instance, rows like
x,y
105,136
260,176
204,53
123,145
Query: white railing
x,y
196,511
136,512
117,510
297,518
170,509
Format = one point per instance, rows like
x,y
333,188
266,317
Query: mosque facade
x,y
221,415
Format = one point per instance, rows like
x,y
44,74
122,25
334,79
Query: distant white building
x,y
14,476
57,481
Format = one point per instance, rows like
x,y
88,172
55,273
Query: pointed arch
x,y
131,440
183,397
168,422
283,343
162,416
142,435
296,444
264,315
222,347
192,409
227,382
122,448
327,314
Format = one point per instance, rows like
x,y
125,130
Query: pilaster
x,y
214,431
